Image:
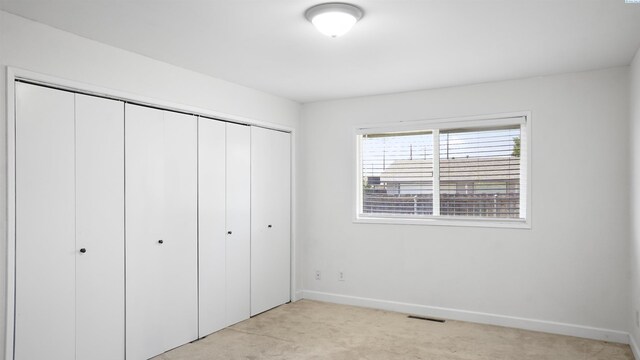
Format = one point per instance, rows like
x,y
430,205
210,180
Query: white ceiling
x,y
399,45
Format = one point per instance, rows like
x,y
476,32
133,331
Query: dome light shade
x,y
334,19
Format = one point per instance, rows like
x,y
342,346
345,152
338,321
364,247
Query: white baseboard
x,y
476,317
634,347
298,295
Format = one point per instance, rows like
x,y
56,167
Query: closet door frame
x,y
15,74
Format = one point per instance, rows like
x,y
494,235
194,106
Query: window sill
x,y
446,221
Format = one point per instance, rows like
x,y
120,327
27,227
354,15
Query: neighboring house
x,y
480,175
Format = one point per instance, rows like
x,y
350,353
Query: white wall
x,y
570,268
634,252
36,47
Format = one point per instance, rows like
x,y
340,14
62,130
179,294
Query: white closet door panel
x,y
181,229
280,215
144,188
99,228
270,219
45,224
238,262
161,204
211,236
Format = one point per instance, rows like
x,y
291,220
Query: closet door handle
x,y
160,241
83,250
229,232
269,226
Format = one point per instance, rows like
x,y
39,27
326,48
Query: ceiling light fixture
x,y
334,19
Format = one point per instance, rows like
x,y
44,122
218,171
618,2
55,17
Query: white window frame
x,y
522,118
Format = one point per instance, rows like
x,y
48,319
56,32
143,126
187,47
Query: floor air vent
x,y
426,318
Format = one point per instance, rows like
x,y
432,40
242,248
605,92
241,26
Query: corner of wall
x,y
3,201
634,347
634,246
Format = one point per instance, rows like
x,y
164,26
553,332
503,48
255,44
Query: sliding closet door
x,y
45,224
99,228
161,230
270,219
238,204
212,233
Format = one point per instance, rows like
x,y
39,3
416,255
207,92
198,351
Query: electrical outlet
x,y
317,274
340,275
637,319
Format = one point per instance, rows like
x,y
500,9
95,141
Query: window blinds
x,y
470,172
480,172
397,173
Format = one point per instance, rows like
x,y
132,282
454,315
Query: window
x,y
466,169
